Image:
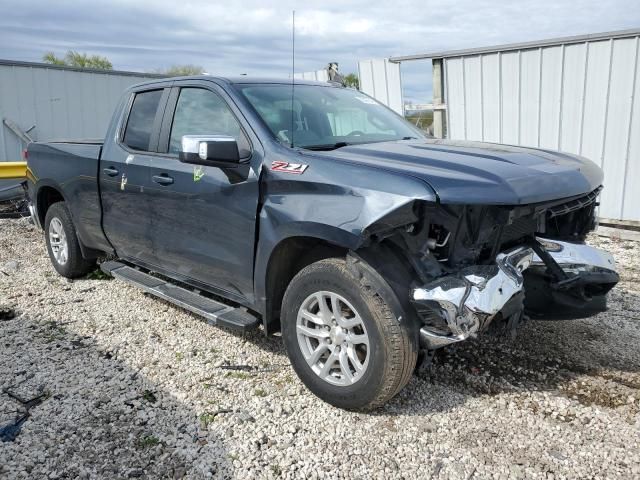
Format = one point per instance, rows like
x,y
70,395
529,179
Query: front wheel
x,y
343,339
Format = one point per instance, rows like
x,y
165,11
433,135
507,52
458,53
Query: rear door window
x,y
137,134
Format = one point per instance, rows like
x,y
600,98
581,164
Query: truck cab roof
x,y
243,79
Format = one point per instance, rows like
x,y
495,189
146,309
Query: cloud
x,y
254,37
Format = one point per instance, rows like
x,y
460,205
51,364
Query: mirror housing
x,y
210,150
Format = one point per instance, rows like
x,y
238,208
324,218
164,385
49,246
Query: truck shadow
x,y
95,416
595,361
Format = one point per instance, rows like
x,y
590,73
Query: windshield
x,y
325,117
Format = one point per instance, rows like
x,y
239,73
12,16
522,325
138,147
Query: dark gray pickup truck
x,y
314,211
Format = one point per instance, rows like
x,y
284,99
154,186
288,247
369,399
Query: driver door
x,y
202,217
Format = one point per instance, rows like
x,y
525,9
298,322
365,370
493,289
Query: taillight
x,y
25,154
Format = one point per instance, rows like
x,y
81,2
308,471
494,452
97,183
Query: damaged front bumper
x,y
568,280
468,300
581,257
460,305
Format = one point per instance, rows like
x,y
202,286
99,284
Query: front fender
x,y
330,202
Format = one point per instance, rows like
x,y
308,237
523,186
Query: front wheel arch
x,y
287,258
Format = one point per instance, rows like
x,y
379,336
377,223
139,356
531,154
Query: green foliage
x,y
207,418
147,442
283,381
78,60
51,58
98,274
182,70
351,80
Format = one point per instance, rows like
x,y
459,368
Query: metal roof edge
x,y
20,63
520,46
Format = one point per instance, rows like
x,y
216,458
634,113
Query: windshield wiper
x,y
334,146
327,146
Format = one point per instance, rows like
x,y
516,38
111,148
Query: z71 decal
x,y
280,166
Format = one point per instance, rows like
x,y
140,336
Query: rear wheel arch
x,y
46,196
62,237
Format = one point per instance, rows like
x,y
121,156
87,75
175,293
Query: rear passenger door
x,y
203,218
124,173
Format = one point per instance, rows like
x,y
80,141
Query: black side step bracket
x,y
216,313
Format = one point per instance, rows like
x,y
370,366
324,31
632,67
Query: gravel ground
x,y
131,386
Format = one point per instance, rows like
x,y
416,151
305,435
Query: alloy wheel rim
x,y
58,241
333,338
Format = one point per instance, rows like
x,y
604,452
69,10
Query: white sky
x,y
254,37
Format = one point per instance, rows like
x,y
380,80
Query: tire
x,y
58,226
387,360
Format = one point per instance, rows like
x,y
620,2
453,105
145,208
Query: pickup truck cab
x,y
312,210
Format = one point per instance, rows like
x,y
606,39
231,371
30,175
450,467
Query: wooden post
x,y
438,100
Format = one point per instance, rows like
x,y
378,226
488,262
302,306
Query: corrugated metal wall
x,y
61,103
317,75
582,98
381,79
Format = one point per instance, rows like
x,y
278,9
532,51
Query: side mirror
x,y
210,150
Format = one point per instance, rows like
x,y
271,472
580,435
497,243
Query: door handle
x,y
163,179
111,171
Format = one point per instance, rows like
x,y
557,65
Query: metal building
x,y
382,80
577,94
45,102
317,75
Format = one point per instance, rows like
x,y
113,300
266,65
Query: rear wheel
x,y
343,339
63,245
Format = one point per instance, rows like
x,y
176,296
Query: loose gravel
x,y
130,386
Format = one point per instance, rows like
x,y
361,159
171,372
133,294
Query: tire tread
x,y
401,348
76,266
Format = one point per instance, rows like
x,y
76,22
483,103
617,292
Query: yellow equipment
x,y
13,169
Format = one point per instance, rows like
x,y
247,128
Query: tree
x,y
78,60
51,58
182,70
351,80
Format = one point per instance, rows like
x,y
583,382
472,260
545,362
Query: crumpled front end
x,y
467,302
460,305
472,266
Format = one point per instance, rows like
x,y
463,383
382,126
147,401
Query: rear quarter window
x,y
137,134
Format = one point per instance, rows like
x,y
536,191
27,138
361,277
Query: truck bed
x,y
73,165
84,141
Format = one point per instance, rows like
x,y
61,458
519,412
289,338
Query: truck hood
x,y
480,173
